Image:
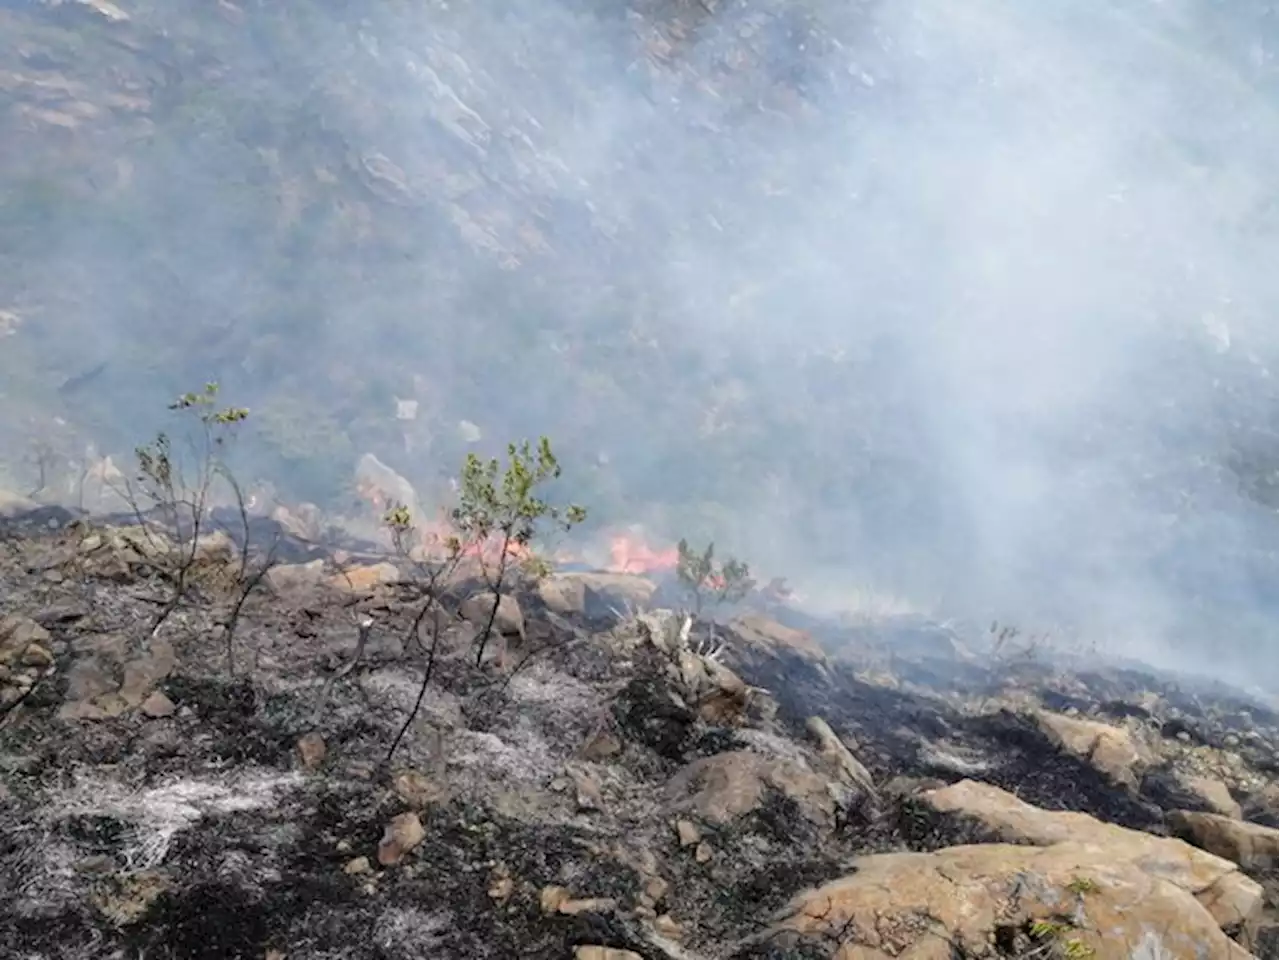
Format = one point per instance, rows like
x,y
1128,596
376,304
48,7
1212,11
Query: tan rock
x,y
401,836
723,787
687,832
574,908
836,753
550,898
703,853
573,593
1215,794
290,578
157,706
416,790
667,926
509,620
1216,882
927,905
592,952
363,578
358,866
312,750
93,694
601,746
17,635
1255,848
771,637
586,790
37,656
1114,751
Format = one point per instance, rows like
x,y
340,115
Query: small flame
x,y
630,554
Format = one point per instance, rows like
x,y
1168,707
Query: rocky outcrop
x,y
1070,899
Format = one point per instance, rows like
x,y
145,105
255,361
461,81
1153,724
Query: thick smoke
x,y
968,306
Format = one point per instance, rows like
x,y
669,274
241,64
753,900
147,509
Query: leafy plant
x,y
500,512
708,581
498,515
178,490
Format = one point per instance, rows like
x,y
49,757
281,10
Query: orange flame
x,y
630,554
433,536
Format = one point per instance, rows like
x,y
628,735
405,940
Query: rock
x,y
574,908
667,927
416,790
592,952
687,832
962,900
1229,895
601,746
1113,751
157,706
216,547
289,578
595,594
37,656
720,788
501,886
1255,848
703,853
550,898
362,579
92,693
770,637
833,749
586,790
17,635
357,867
1215,794
509,620
1261,805
402,835
311,750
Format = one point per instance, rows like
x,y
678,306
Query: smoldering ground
x,y
968,306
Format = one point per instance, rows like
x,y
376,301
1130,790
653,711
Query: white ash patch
x,y
519,754
156,815
558,692
398,690
410,933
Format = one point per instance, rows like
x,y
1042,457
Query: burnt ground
x,y
200,835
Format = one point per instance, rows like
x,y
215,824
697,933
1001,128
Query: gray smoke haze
x,y
972,306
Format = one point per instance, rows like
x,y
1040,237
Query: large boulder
x,y
1254,847
1072,899
1217,883
595,594
1116,752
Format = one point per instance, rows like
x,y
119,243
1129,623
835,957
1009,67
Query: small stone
x,y
573,908
416,790
157,706
655,889
311,750
54,576
703,853
667,926
343,846
586,791
687,832
402,835
37,656
1183,736
593,952
501,888
551,897
357,866
601,746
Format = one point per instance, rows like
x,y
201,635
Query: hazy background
x,y
972,307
